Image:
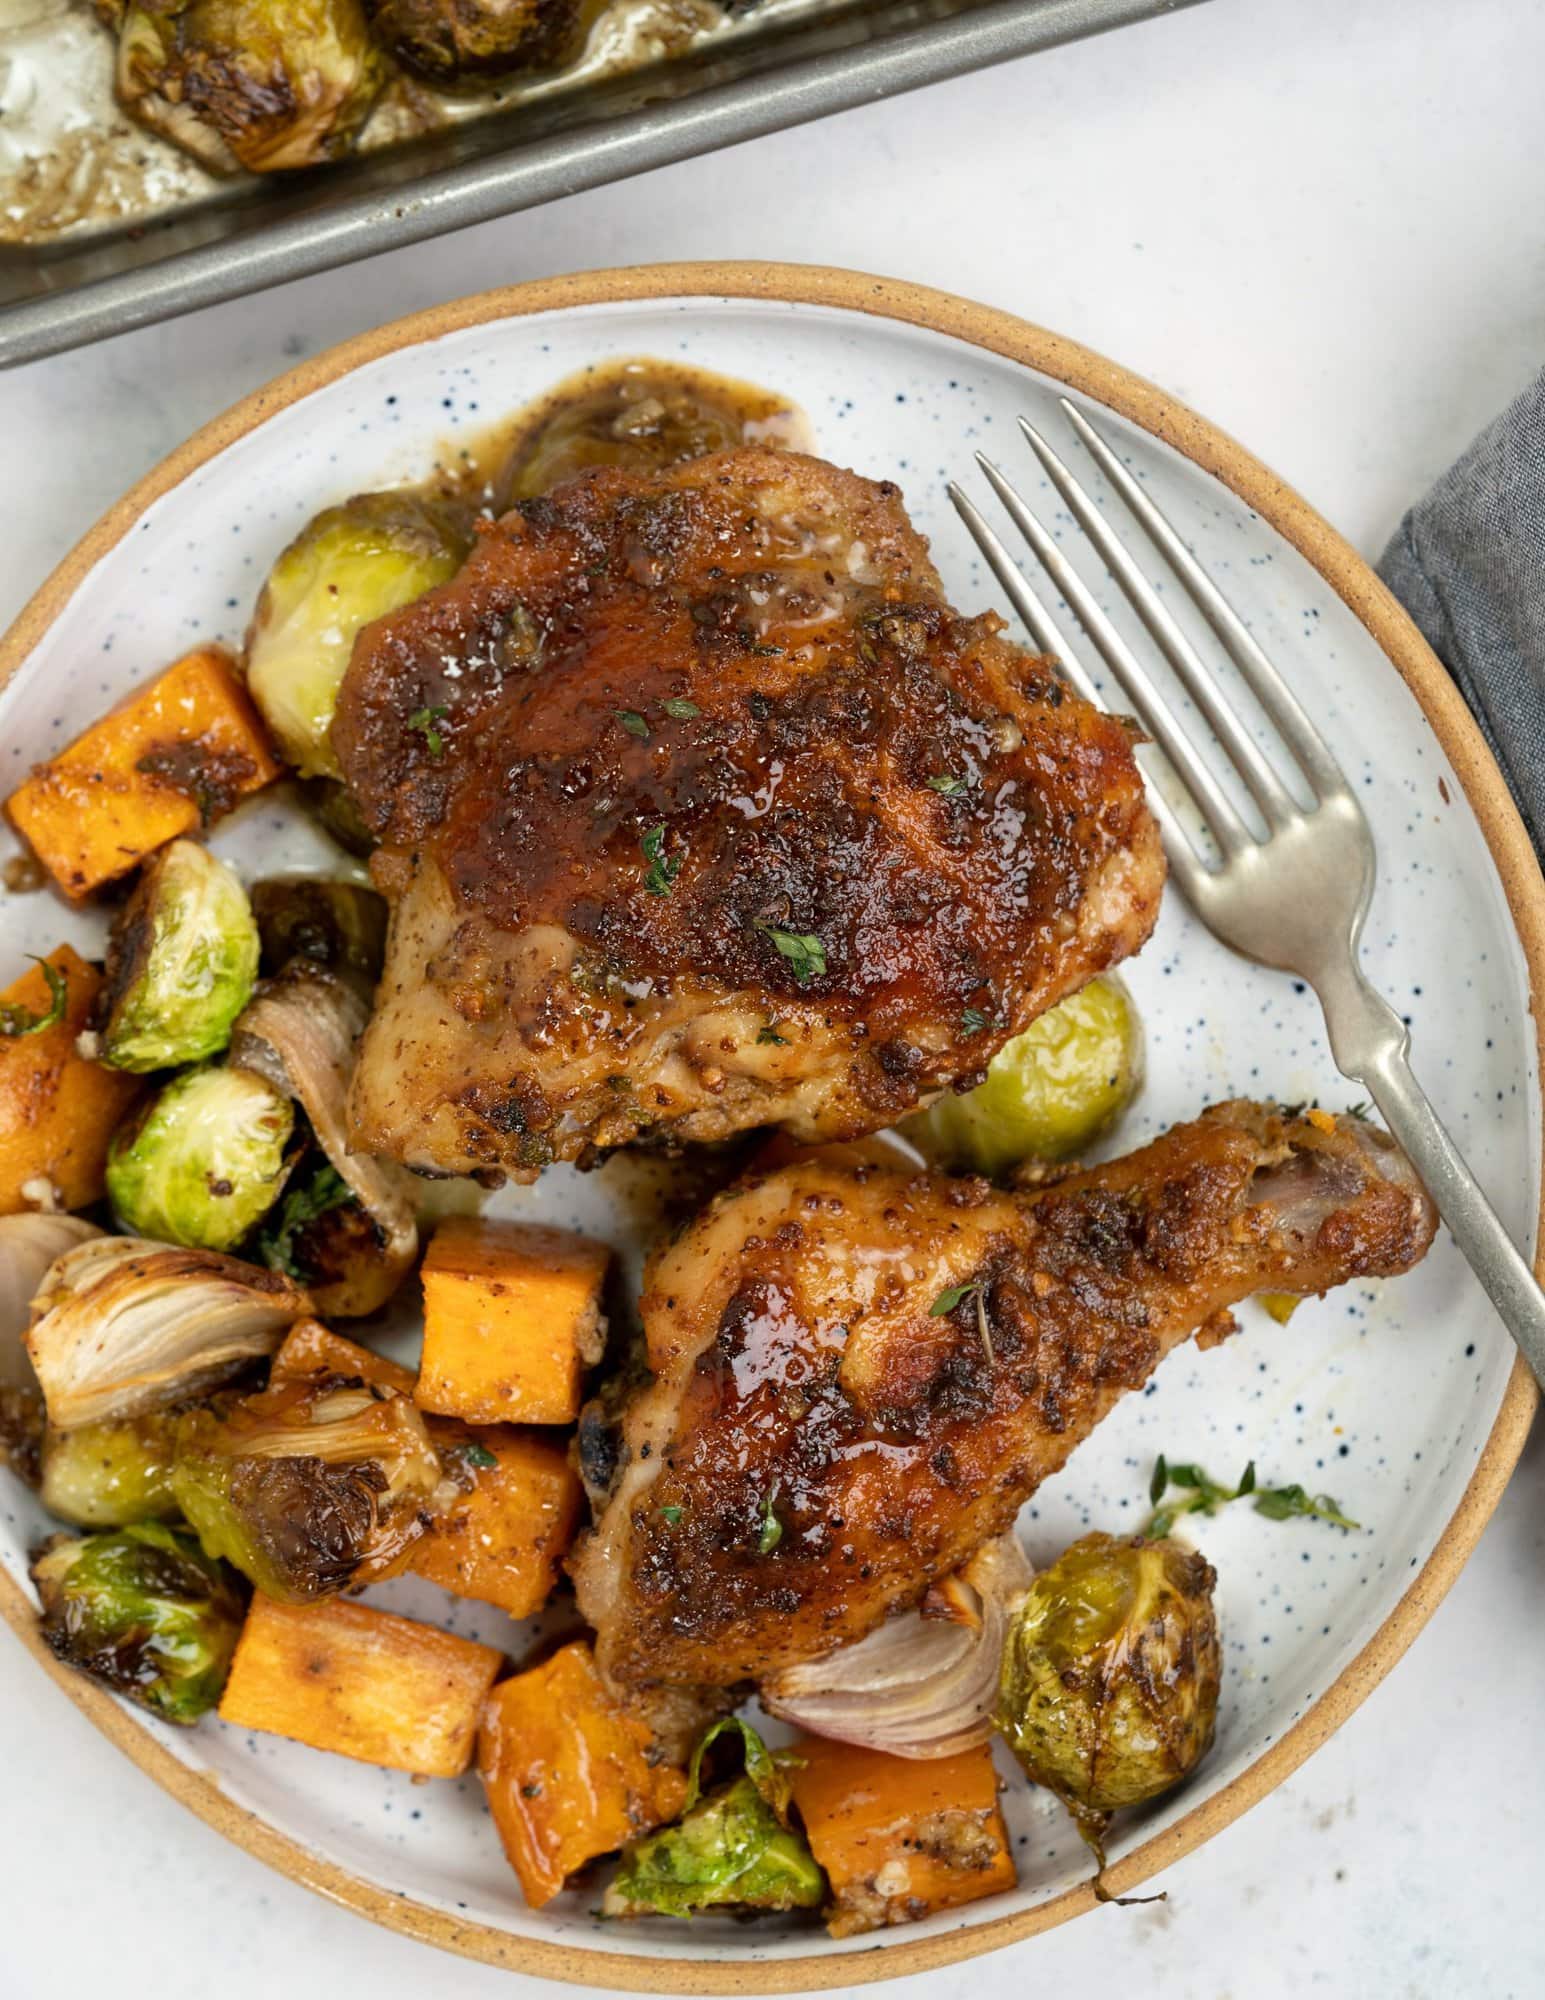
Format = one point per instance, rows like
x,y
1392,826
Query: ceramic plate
x,y
1401,1400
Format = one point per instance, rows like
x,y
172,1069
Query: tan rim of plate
x,y
1103,382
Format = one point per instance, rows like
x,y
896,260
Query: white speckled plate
x,y
1402,1400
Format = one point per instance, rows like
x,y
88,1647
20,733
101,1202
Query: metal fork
x,y
1293,896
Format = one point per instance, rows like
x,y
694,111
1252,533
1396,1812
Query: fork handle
x,y
1372,1045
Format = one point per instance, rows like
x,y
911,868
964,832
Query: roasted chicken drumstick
x,y
861,1374
700,810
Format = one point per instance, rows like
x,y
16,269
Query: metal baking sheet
x,y
163,239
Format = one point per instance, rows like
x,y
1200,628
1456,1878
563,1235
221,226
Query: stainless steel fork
x,y
1293,896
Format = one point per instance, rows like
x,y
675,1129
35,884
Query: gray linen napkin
x,y
1468,563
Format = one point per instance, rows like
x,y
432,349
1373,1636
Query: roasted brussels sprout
x,y
110,1475
314,1485
734,1846
335,809
1111,1671
260,84
639,417
205,1162
145,1610
1048,1093
351,564
448,41
341,925
181,963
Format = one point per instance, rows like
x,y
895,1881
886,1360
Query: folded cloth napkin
x,y
1468,563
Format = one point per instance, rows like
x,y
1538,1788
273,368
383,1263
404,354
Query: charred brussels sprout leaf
x,y
310,1487
206,1162
110,1475
734,1846
145,1610
350,565
1048,1093
181,963
1109,1689
260,84
341,925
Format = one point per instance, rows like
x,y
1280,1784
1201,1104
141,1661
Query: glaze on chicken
x,y
701,810
862,1374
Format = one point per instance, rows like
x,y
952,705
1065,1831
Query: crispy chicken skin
x,y
813,1371
660,733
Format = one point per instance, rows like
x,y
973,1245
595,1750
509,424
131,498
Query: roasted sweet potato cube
x,y
502,1540
175,755
512,1318
900,1837
345,1677
309,1348
57,1110
570,1774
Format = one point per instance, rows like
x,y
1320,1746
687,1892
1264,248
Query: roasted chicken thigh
x,y
700,810
861,1374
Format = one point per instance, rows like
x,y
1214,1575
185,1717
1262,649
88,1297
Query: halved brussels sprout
x,y
350,565
336,810
205,1162
1048,1093
181,963
642,418
448,41
734,1847
341,925
314,1485
145,1610
110,1475
1111,1671
260,84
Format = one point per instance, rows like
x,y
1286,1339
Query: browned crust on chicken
x,y
804,1375
744,669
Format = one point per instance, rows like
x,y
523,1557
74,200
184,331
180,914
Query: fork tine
x,y
1282,707
1228,829
1040,624
1043,628
1270,794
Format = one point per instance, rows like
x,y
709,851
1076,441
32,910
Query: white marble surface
x,y
1320,224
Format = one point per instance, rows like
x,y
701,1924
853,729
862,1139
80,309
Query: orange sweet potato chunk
x,y
569,1773
503,1539
57,1110
345,1677
175,755
512,1317
901,1837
